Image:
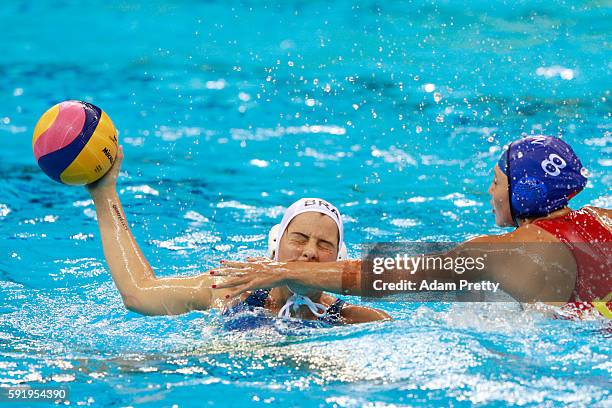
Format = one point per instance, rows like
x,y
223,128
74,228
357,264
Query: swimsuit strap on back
x,y
583,232
582,225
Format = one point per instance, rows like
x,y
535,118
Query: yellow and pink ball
x,y
75,143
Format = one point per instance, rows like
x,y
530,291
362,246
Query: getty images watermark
x,y
430,264
447,271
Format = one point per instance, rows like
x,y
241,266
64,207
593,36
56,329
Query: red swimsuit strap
x,y
585,234
582,225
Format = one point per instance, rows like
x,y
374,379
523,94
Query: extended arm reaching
x,y
342,277
524,262
140,289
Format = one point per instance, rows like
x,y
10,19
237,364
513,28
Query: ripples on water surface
x,y
228,112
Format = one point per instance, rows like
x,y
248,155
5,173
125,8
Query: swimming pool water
x,y
228,112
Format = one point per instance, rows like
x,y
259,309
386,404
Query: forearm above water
x,y
141,291
342,277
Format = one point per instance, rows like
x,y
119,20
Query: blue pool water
x,y
228,112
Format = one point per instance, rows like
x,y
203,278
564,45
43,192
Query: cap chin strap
x,y
507,165
294,303
272,236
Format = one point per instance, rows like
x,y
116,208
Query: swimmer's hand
x,y
108,182
256,273
301,277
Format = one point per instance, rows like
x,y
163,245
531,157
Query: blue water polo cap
x,y
543,174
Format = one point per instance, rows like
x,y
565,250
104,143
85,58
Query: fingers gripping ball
x,y
75,143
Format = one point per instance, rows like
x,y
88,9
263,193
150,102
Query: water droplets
x,y
556,70
4,210
259,163
216,85
429,88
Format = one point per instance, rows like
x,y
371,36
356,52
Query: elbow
x,y
145,304
136,300
131,302
135,303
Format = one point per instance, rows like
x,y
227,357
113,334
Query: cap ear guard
x,y
528,194
272,237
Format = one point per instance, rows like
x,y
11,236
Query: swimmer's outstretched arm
x,y
140,289
342,277
527,272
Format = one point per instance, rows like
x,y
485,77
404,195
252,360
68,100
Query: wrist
x,y
350,276
102,193
290,274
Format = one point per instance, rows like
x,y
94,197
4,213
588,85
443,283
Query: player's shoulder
x,y
602,212
524,233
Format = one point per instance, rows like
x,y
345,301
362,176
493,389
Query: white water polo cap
x,y
301,206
